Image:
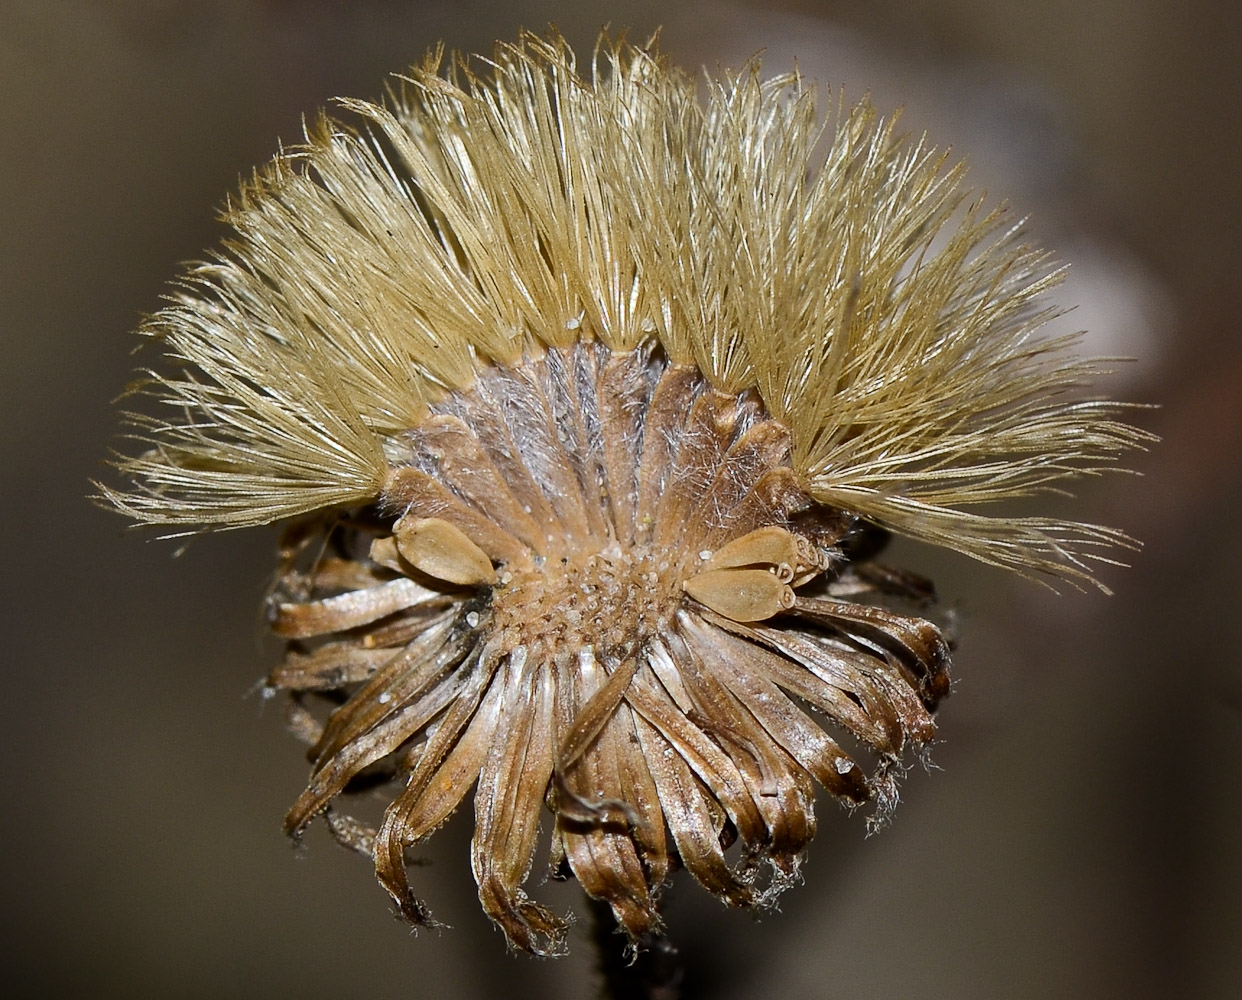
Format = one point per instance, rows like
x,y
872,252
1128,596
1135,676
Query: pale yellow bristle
x,y
834,265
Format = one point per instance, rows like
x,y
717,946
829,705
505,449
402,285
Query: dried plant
x,y
589,402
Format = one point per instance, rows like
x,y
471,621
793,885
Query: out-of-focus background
x,y
1081,837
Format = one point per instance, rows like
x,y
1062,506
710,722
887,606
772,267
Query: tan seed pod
x,y
442,550
769,545
743,595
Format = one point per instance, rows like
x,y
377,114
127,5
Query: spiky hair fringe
x,y
828,262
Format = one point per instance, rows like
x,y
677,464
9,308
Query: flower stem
x,y
652,972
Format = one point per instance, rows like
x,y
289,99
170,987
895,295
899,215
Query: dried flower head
x,y
590,401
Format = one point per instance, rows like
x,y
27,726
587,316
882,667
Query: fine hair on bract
x,y
589,395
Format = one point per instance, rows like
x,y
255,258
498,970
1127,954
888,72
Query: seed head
x,y
588,402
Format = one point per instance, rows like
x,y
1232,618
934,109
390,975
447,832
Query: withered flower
x,y
590,401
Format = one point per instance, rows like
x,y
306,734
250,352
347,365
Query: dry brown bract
x,y
590,402
627,665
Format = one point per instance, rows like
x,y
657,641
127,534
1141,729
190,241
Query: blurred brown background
x,y
1082,838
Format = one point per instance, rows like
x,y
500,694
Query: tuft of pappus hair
x,y
589,401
